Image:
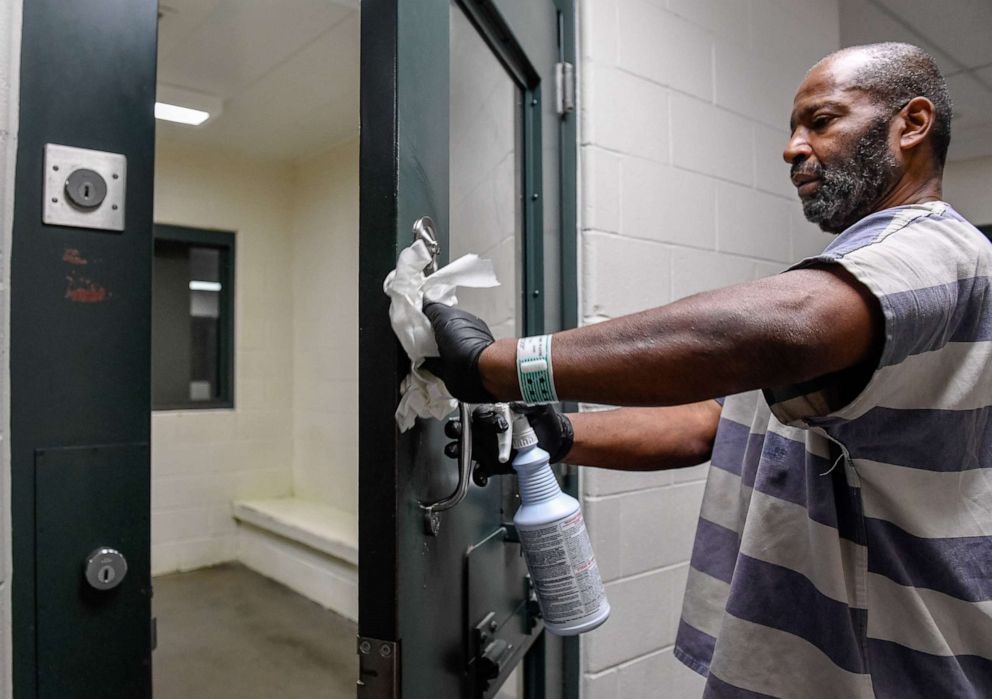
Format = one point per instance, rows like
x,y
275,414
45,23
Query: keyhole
x,y
86,188
106,574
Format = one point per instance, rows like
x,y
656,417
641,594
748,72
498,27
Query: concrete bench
x,y
308,546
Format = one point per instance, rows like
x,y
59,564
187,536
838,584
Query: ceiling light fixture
x,y
180,115
184,106
204,286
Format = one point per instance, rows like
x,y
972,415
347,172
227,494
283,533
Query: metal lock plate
x,y
105,568
84,188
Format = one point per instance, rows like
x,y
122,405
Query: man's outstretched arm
x,y
772,332
645,439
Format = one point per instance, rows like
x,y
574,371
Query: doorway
x,y
254,488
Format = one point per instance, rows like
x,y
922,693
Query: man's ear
x,y
917,122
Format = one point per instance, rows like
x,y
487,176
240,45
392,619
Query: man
x,y
843,548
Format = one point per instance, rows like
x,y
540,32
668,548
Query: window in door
x,y
485,181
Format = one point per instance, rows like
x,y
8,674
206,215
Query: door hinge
x,y
565,87
378,669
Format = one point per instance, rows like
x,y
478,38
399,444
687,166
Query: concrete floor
x,y
228,633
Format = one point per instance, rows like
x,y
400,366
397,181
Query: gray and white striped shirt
x,y
848,552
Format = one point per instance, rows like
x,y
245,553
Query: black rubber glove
x,y
553,430
552,427
461,337
487,425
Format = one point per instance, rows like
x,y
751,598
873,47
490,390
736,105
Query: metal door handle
x,y
432,521
424,230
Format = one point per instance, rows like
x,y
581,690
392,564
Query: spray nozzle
x,y
523,434
504,438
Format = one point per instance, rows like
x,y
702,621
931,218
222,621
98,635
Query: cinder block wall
x,y
293,429
202,460
10,65
684,107
325,328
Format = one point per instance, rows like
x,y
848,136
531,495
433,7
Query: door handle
x,y
432,520
424,230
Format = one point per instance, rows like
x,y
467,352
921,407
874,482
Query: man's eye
x,y
821,122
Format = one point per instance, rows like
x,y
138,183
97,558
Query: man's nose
x,y
798,147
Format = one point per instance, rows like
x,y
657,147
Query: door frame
x,y
64,393
10,36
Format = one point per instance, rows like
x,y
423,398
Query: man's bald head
x,y
893,74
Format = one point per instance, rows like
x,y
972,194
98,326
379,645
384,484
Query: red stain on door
x,y
80,289
85,291
73,257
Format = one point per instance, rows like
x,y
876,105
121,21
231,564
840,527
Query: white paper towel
x,y
423,394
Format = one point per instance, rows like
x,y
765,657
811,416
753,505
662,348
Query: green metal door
x,y
79,352
461,122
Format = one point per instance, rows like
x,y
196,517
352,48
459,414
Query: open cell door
x,y
465,118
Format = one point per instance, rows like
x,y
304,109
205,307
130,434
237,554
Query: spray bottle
x,y
555,542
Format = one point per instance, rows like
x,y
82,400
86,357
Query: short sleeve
x,y
930,278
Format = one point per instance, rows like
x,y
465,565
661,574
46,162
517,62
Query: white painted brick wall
x,y
294,428
325,328
711,141
623,276
10,51
648,187
626,107
684,106
203,460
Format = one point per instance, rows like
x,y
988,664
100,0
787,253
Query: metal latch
x,y
423,229
565,88
378,669
493,652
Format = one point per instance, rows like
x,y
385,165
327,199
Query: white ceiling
x,y
286,70
958,34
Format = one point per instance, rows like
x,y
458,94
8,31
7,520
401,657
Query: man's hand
x,y
461,338
489,426
553,429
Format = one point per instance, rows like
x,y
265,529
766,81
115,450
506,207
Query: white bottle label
x,y
564,570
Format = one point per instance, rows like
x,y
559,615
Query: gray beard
x,y
850,189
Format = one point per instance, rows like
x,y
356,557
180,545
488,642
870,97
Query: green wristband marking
x,y
534,371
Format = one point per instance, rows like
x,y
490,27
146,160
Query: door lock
x,y
84,188
105,568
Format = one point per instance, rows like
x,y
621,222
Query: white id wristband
x,y
534,371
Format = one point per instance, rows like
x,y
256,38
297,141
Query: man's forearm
x,y
773,332
645,439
